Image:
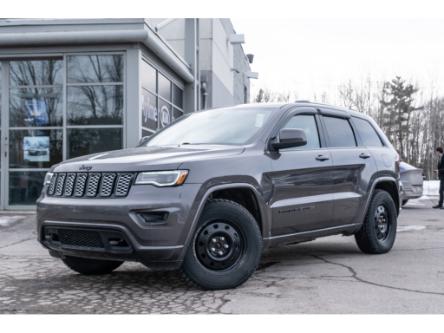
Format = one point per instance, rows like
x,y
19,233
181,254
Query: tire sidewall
x,y
384,199
238,216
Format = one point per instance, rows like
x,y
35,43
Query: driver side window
x,y
308,124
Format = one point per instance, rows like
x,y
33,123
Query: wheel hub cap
x,y
382,222
218,245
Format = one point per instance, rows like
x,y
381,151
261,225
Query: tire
x,y
378,232
91,266
404,202
225,249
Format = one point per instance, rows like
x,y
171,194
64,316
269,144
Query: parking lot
x,y
329,275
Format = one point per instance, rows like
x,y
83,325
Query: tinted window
x,y
149,77
164,86
36,106
36,72
95,105
93,140
95,68
35,148
177,96
308,124
340,132
367,133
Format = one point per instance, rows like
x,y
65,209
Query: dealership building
x,y
75,87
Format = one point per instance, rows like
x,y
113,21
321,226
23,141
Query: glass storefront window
x,y
150,114
35,148
177,113
164,113
164,86
149,77
177,96
86,141
36,107
95,105
95,68
162,105
146,132
25,186
36,72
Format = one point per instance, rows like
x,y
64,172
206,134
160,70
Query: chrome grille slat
x,y
69,184
123,184
59,184
52,185
107,184
90,184
79,189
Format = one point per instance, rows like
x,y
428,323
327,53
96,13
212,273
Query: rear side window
x,y
367,133
308,124
339,132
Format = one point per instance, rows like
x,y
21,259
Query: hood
x,y
146,158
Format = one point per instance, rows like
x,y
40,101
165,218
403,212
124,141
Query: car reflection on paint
x,y
411,182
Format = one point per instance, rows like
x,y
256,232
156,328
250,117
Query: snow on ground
x,y
7,220
431,187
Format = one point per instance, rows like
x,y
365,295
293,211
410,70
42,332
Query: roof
x,y
50,32
348,112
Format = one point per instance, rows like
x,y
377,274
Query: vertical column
x,y
192,90
133,100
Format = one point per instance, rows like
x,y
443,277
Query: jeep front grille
x,y
90,184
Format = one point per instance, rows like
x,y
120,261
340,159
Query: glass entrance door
x,y
32,127
55,108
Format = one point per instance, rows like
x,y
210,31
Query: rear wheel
x,y
91,266
226,247
404,202
377,234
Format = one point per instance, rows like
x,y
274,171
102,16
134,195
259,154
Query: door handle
x,y
364,155
322,158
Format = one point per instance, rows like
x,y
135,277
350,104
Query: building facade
x,y
74,87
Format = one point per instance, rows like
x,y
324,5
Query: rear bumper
x,y
121,229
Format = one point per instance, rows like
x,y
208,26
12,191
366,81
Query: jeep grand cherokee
x,y
210,192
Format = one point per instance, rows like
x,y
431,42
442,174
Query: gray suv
x,y
209,193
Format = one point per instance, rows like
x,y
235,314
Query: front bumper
x,y
121,229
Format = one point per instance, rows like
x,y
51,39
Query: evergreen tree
x,y
397,107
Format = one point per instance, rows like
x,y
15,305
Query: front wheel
x,y
378,232
226,247
91,266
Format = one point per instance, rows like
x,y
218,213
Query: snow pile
x,y
8,220
431,187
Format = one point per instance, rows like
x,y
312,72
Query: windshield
x,y
219,126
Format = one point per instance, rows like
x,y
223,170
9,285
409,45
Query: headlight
x,y
162,178
48,178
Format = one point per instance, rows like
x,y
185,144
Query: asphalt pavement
x,y
328,275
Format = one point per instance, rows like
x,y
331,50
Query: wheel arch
x,y
388,184
222,191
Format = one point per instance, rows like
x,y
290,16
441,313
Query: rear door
x,y
353,167
302,188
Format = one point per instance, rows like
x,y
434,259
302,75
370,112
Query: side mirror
x,y
290,137
143,140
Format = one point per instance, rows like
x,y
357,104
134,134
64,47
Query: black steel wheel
x,y
219,245
378,232
382,224
226,247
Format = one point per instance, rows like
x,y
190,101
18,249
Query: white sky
x,y
312,56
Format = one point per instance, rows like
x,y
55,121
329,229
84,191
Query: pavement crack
x,y
355,276
16,242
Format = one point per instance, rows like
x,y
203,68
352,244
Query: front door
x,y
302,188
31,127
